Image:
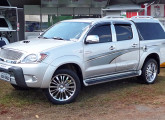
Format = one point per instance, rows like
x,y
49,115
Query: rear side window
x,y
3,23
103,31
150,31
123,32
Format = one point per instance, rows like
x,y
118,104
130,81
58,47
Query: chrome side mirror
x,y
92,39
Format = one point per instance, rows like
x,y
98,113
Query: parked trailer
x,y
9,26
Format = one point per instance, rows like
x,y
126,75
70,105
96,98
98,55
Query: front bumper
x,y
18,77
25,75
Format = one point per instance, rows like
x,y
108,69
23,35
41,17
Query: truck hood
x,y
36,45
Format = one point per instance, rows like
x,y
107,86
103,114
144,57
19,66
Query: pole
x,y
146,6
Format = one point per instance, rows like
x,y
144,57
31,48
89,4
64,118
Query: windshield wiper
x,y
42,37
58,38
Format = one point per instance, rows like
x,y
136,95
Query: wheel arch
x,y
74,67
154,56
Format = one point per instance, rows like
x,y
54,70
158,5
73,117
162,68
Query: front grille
x,y
10,54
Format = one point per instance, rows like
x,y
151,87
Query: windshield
x,y
66,30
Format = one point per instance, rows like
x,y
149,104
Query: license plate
x,y
4,76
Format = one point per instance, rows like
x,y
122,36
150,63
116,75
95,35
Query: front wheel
x,y
64,87
150,71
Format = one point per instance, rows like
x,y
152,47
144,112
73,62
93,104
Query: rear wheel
x,y
64,87
149,71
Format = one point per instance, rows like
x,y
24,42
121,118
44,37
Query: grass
x,y
11,97
124,90
100,98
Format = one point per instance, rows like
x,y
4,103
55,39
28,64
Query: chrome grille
x,y
10,54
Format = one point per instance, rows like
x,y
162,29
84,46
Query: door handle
x,y
112,48
88,52
134,45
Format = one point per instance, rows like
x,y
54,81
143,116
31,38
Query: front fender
x,y
56,64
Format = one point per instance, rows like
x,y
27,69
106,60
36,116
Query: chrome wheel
x,y
62,87
151,72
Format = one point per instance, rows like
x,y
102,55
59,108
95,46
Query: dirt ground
x,y
119,100
129,112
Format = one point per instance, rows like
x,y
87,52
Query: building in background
x,y
41,14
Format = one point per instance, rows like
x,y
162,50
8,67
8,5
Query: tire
x,y
19,88
149,71
64,87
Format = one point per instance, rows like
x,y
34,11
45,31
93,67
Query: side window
x,y
123,32
150,31
103,31
3,23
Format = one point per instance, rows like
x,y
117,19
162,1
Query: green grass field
x,y
112,95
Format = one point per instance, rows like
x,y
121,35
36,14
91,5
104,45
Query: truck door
x,y
98,56
127,46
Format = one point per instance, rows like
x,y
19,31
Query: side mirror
x,y
92,39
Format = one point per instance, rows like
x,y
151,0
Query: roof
x,y
97,20
115,19
137,19
123,7
4,3
21,3
88,20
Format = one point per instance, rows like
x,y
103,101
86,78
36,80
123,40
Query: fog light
x,y
34,78
30,78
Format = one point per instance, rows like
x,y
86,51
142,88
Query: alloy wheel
x,y
62,87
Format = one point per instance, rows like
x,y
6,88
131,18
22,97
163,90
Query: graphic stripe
x,y
107,58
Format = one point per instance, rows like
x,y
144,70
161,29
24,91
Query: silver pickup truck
x,y
79,52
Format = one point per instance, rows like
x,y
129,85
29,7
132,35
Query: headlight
x,y
33,58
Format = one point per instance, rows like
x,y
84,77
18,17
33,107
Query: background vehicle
x,y
5,27
11,24
86,52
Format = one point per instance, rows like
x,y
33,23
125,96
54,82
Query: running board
x,y
108,78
